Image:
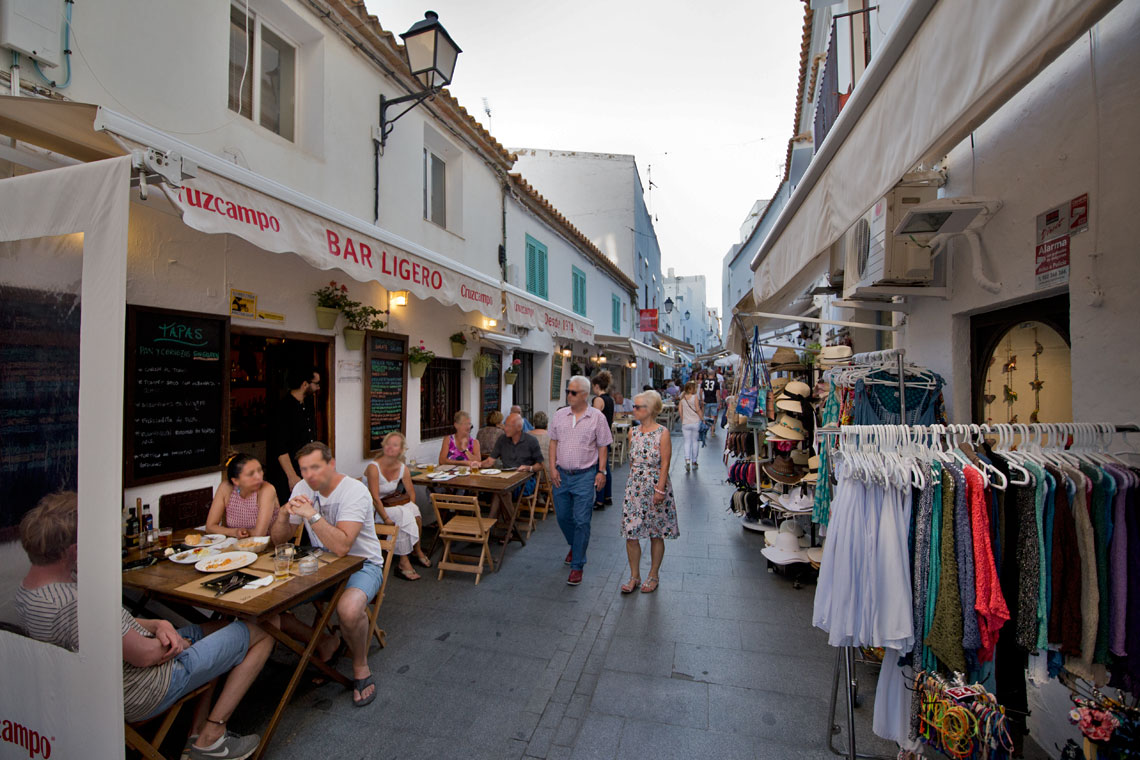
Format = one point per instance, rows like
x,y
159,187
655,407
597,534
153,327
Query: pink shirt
x,y
578,444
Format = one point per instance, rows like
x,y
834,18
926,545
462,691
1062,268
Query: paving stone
x,y
652,698
599,737
559,753
785,674
540,743
635,655
586,684
567,731
564,690
579,705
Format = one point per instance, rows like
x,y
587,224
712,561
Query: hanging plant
x,y
418,359
482,365
512,373
331,300
458,344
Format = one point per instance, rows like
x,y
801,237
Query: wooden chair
x,y
387,536
619,449
528,505
150,749
471,527
544,504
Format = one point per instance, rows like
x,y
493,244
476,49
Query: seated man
x,y
527,427
517,451
337,512
160,664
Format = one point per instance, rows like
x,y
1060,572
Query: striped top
x,y
50,613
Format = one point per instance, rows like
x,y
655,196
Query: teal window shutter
x,y
615,304
531,268
541,277
578,278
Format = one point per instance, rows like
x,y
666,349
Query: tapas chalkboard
x,y
39,408
385,386
491,388
176,394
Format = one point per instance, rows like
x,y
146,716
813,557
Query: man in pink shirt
x,y
579,439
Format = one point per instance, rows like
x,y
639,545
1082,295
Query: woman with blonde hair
x,y
384,476
461,447
649,510
692,415
490,432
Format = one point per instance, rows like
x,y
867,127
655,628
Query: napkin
x,y
260,583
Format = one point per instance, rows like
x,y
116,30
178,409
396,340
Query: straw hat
x,y
782,470
793,397
787,428
813,471
830,356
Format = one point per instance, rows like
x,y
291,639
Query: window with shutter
x,y
535,267
578,278
615,318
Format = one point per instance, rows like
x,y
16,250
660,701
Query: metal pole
x,y
902,387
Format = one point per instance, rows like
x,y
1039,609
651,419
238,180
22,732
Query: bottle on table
x,y
132,529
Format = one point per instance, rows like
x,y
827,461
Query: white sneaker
x,y
687,465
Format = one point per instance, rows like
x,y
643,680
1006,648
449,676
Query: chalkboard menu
x,y
385,386
176,410
39,406
556,377
491,388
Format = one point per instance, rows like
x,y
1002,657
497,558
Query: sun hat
x,y
800,457
785,551
793,397
778,384
783,471
783,356
787,526
831,355
798,501
815,555
787,428
813,470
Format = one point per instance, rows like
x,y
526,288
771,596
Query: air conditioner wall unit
x,y
875,257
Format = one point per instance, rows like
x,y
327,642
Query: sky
x,y
702,93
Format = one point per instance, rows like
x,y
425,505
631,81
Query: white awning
x,y
946,67
226,198
631,347
524,310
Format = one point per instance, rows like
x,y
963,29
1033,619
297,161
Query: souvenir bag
x,y
749,398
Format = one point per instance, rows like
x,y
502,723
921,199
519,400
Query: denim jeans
x,y
574,506
207,658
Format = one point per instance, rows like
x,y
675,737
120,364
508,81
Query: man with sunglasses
x,y
579,440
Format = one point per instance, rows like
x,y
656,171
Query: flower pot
x,y
353,339
326,317
458,349
510,377
417,368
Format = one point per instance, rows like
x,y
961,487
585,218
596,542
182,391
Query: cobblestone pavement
x,y
721,662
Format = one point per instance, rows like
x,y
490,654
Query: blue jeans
x,y
207,658
574,505
526,489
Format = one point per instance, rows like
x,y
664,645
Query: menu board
x,y
385,386
176,411
491,388
556,377
39,408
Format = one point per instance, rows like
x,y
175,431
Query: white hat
x,y
815,555
787,526
797,501
785,551
832,355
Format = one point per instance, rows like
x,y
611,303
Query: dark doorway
x,y
258,363
523,393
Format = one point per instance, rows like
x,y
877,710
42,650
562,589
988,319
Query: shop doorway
x,y
523,392
1020,368
259,361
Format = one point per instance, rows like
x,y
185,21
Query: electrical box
x,y
33,28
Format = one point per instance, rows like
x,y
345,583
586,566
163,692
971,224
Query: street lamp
x,y
668,305
431,55
687,315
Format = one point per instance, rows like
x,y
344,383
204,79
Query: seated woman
x,y
460,448
543,435
384,476
490,432
245,503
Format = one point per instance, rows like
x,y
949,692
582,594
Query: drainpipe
x,y
15,75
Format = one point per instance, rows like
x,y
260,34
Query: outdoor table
x,y
162,582
500,486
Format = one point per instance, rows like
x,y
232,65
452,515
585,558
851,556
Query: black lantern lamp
x,y
431,57
668,305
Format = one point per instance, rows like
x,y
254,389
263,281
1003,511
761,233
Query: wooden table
x,y
501,487
161,582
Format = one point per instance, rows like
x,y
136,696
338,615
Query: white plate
x,y
237,560
490,472
444,476
192,556
209,539
252,544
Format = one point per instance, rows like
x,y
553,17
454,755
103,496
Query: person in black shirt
x,y
604,403
517,450
293,425
710,388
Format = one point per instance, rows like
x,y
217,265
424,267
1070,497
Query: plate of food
x,y
252,543
219,563
194,540
442,476
191,556
491,471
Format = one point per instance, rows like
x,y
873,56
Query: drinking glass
x,y
282,560
430,467
165,538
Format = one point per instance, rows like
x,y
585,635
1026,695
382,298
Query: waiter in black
x,y
293,425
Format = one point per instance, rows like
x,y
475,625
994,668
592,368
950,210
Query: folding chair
x,y
469,528
619,449
528,505
387,536
150,749
545,501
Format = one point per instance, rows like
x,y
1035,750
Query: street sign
x,y
1052,259
647,321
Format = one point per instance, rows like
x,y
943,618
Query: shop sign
x,y
647,320
1052,262
1079,214
243,304
270,316
1066,219
525,313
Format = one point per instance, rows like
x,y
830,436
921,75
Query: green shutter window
x,y
542,290
615,305
535,267
578,278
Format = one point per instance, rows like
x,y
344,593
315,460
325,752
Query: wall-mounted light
x,y
632,365
431,55
490,323
398,298
566,351
601,360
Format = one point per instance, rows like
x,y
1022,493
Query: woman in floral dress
x,y
649,511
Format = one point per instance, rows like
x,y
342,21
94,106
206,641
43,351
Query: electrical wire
x,y
66,50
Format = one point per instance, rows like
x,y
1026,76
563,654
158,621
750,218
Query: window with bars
x,y
536,268
262,74
439,398
578,278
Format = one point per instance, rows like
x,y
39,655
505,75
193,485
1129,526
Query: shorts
x,y
368,579
207,658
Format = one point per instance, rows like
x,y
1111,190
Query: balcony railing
x,y
832,95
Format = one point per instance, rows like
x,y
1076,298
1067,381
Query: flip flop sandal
x,y
342,649
360,684
631,586
423,562
650,585
402,574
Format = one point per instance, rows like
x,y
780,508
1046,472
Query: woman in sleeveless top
x,y
649,510
692,414
460,448
604,403
244,504
384,476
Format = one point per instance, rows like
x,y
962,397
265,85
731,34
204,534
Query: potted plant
x,y
419,357
359,318
458,344
331,300
512,374
482,365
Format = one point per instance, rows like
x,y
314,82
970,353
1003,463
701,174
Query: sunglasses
x,y
639,406
570,392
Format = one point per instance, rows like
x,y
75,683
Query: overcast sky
x,y
702,93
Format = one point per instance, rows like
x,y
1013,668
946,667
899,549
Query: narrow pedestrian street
x,y
720,662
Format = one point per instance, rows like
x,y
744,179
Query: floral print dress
x,y
640,517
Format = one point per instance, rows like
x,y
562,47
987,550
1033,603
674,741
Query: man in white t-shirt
x,y
337,512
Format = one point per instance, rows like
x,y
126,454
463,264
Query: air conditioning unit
x,y
837,261
875,257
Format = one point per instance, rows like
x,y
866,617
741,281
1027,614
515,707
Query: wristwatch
x,y
314,519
